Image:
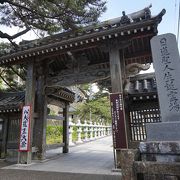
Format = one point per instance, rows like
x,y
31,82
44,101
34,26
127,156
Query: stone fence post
x,y
71,124
91,130
87,131
95,130
79,131
99,130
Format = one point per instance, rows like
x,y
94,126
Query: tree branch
x,y
10,38
7,36
32,11
7,83
18,74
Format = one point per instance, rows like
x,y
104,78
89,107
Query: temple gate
x,y
112,50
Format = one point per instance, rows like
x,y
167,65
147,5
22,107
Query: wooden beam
x,y
80,47
87,74
61,118
55,102
138,55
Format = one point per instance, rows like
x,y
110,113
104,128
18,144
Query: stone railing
x,y
87,131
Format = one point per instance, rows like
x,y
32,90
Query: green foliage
x,y
97,107
54,134
74,134
4,46
50,15
11,74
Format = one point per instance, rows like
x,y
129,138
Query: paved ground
x,y
4,163
95,157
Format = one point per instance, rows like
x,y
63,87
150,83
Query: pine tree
x,y
48,15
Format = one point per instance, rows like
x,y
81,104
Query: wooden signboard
x,y
118,124
25,129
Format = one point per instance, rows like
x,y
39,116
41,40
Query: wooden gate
x,y
1,135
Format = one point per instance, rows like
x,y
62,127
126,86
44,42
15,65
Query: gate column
x,y
41,110
117,69
26,157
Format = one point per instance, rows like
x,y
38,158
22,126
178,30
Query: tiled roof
x,y
60,93
12,102
143,83
91,34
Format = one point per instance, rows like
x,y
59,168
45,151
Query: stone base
x,y
127,158
164,131
12,155
160,160
160,151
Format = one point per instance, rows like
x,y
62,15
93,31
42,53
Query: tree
x,y
12,76
48,15
96,106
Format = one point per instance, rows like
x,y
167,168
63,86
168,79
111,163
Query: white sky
x,y
115,8
169,23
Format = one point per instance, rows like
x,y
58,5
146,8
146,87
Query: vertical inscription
x,y
168,78
118,126
167,67
24,132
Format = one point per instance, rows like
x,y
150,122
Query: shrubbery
x,y
54,134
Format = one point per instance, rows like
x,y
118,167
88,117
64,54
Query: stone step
x,y
14,174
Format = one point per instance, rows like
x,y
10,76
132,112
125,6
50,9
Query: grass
x,y
54,134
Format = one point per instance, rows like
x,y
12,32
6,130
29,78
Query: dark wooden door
x,y
1,135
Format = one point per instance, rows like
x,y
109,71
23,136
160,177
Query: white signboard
x,y
167,70
25,129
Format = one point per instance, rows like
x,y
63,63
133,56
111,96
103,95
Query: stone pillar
x,y
167,65
91,130
71,124
95,130
79,131
109,130
99,130
104,130
163,139
85,131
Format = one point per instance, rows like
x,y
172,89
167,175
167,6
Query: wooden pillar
x,y
4,137
41,110
26,157
117,77
66,129
115,68
127,117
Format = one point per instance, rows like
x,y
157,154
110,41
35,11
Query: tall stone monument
x,y
162,147
167,71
